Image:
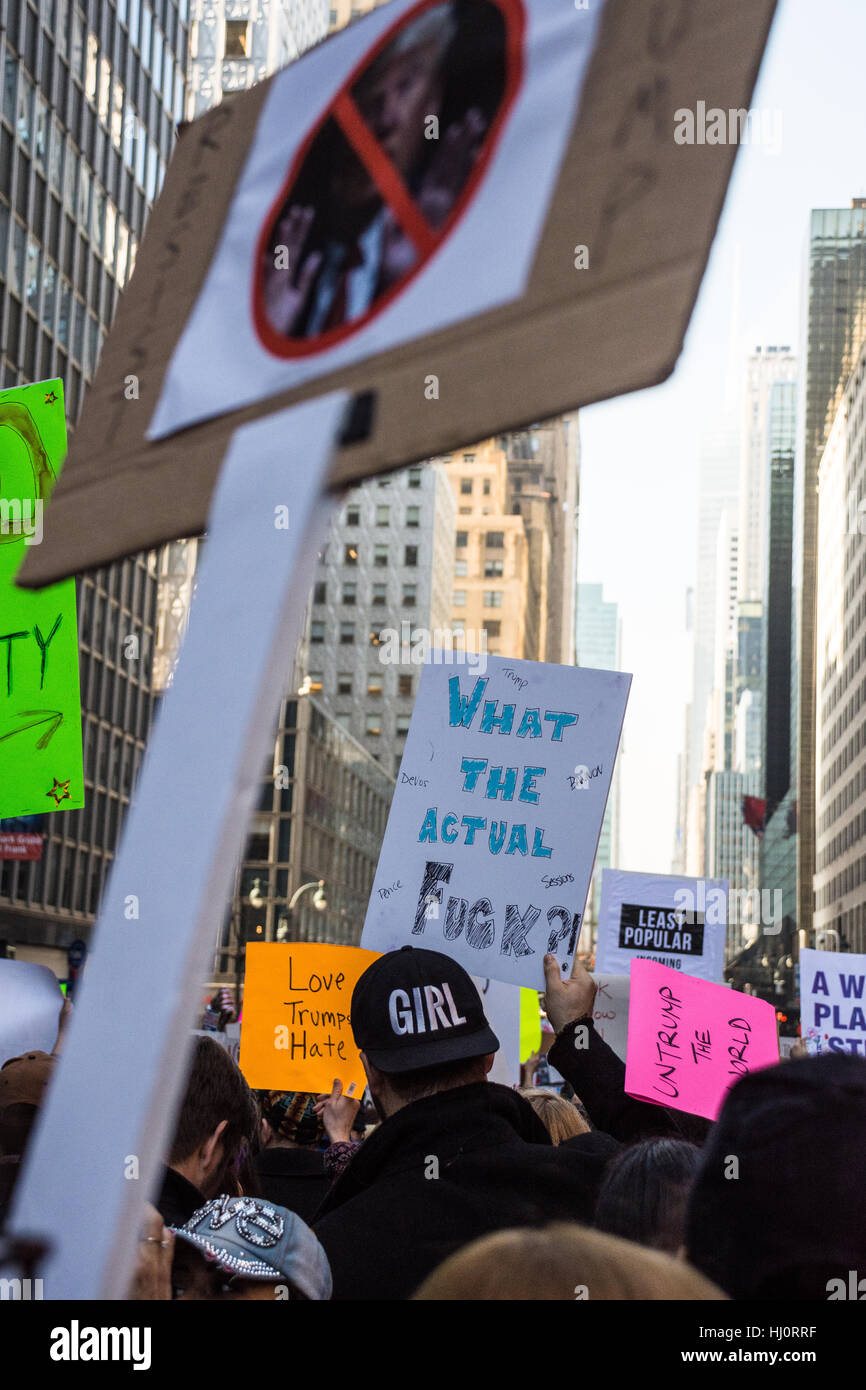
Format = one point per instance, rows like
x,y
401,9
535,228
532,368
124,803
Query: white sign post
x,y
679,922
96,1155
495,822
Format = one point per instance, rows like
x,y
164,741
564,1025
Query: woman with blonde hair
x,y
563,1261
561,1119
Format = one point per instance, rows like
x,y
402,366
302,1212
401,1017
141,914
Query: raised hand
x,y
286,289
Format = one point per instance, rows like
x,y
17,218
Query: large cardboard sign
x,y
495,821
41,766
833,1001
545,252
679,922
296,1031
689,1041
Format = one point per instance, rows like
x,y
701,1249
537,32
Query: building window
x,y
375,639
314,682
383,515
413,516
404,685
237,38
493,627
492,569
402,725
350,592
462,538
317,631
461,568
374,685
350,555
494,540
319,592
468,458
486,487
410,557
492,598
466,487
374,724
380,594
458,598
458,626
414,477
344,683
410,595
464,511
380,556
353,516
347,633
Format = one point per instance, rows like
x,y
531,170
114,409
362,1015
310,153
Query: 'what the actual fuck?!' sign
x,y
496,817
40,705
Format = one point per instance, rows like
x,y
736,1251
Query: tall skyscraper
x,y
90,101
599,646
234,45
840,781
834,327
764,367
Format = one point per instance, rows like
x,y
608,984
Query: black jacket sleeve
x,y
598,1077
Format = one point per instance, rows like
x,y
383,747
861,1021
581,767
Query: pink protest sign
x,y
689,1040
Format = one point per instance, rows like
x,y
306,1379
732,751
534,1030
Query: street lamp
x,y
320,902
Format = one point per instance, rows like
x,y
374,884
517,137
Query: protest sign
x,y
296,1032
121,1074
610,1011
544,250
689,1040
497,813
679,922
30,1002
41,765
502,1009
530,1023
833,1001
21,837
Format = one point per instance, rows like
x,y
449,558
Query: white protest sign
x,y
833,1001
30,1004
610,1011
495,821
370,208
502,1011
679,922
111,1110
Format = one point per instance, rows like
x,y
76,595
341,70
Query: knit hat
x,y
776,1209
291,1115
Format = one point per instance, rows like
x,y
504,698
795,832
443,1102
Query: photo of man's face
x,y
385,171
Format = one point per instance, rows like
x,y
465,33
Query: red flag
x,y
754,812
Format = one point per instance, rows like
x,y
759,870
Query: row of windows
x,y
349,598
381,556
493,569
383,516
841,842
374,725
467,486
345,683
347,632
843,799
492,598
493,540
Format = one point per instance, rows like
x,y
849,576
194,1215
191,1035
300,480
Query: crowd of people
x,y
445,1185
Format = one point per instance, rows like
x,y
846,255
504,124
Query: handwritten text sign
x,y
296,1033
833,1001
41,765
497,813
689,1040
610,1011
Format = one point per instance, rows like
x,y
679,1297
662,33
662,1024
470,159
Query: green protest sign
x,y
41,767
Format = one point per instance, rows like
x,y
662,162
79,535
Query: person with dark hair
x,y
218,1119
291,1166
777,1210
645,1192
455,1156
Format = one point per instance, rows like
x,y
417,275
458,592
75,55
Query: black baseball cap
x,y
412,1009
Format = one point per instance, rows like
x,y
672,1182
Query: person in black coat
x,y
456,1156
291,1170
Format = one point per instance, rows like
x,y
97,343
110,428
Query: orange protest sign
x,y
296,1034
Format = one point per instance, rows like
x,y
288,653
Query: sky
x,y
645,447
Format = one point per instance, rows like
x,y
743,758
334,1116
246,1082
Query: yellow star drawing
x,y
49,400
60,791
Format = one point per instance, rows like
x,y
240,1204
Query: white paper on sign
x,y
610,1011
833,1001
680,922
122,1069
502,1011
373,260
496,818
30,1004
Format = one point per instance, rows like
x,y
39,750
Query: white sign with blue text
x,y
497,813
